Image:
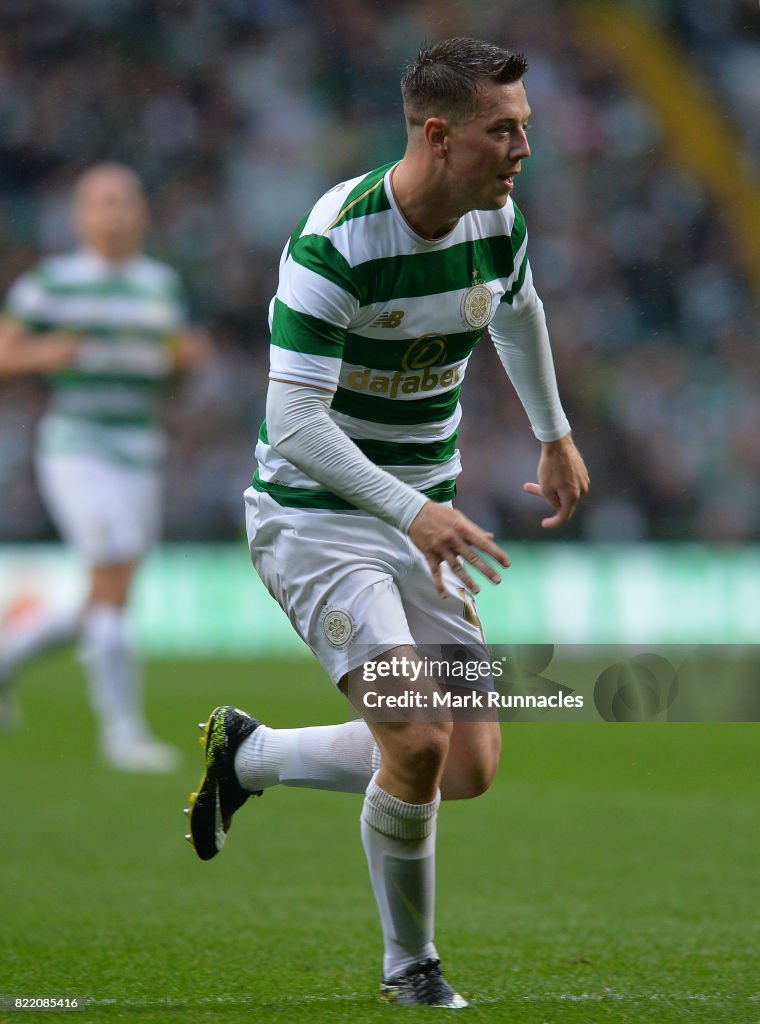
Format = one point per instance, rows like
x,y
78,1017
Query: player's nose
x,y
520,148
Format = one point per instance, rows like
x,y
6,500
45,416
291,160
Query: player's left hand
x,y
562,479
194,349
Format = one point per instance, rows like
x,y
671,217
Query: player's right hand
x,y
22,352
56,350
444,535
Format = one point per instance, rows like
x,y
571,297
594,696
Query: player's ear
x,y
436,132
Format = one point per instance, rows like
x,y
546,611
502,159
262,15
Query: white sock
x,y
113,674
51,629
399,841
335,757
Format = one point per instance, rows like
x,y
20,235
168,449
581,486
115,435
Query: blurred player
x,y
106,325
385,289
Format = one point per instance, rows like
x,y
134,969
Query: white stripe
x,y
25,298
322,371
372,237
150,273
327,208
128,355
424,477
389,383
114,399
414,433
84,267
79,311
305,291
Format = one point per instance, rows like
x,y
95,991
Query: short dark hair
x,y
446,77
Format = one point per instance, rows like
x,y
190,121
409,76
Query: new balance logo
x,y
390,319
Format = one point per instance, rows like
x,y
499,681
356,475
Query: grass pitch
x,y
609,875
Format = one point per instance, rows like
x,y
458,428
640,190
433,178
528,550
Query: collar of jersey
x,y
428,243
99,262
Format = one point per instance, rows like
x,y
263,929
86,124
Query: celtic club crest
x,y
338,627
476,303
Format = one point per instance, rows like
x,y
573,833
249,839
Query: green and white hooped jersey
x,y
387,320
129,315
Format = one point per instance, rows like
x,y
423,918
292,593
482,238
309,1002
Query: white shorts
x,y
355,587
108,512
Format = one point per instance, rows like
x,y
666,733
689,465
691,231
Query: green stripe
x,y
65,379
104,332
393,453
406,453
388,353
297,233
165,283
32,326
509,296
386,410
308,497
375,202
317,253
107,419
519,230
301,332
446,490
429,273
120,289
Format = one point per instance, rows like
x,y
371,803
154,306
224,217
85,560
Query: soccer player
x,y
385,288
107,326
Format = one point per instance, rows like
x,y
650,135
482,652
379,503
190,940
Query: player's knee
x,y
110,584
424,748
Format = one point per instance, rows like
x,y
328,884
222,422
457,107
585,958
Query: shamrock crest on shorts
x,y
338,626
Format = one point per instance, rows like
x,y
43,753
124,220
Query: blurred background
x,y
642,201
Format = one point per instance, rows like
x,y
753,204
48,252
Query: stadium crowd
x,y
238,113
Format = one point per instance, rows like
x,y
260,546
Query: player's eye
x,y
507,129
